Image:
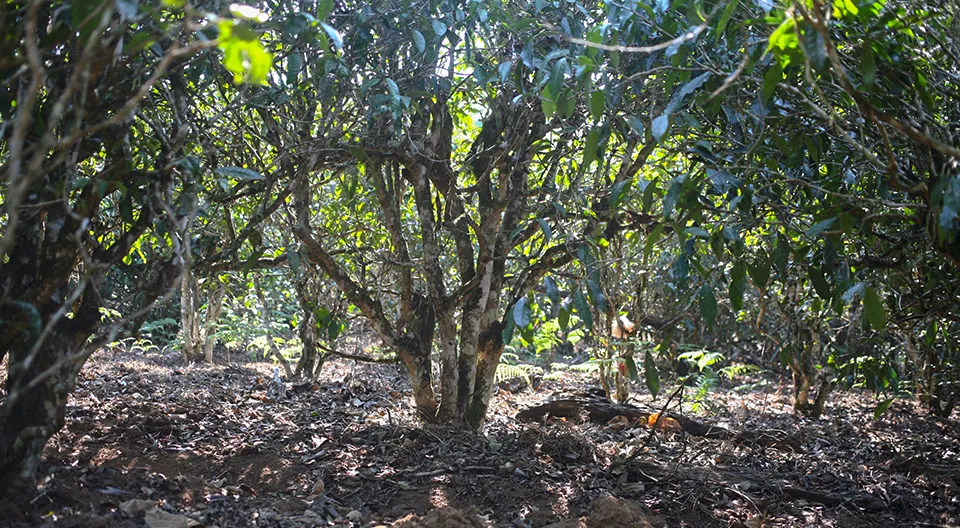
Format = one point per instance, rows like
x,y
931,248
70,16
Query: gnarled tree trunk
x,y
41,375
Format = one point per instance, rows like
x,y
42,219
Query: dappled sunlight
x,y
438,498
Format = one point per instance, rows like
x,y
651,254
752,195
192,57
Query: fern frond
x,y
506,371
706,382
589,366
510,358
730,371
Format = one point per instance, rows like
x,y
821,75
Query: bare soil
x,y
211,446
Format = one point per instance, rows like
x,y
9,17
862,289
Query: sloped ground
x,y
213,445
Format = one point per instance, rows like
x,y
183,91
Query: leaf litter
x,y
151,441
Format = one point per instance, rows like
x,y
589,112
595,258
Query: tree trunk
x,y
310,363
311,360
35,407
190,318
414,350
489,349
214,308
449,374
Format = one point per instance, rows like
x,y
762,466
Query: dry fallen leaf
x,y
318,489
664,423
134,507
618,422
157,518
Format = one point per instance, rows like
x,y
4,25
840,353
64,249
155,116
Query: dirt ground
x,y
151,441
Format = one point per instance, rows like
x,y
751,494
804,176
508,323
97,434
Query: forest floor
x,y
153,441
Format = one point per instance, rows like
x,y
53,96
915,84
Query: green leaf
x,y
508,328
660,127
243,54
526,55
619,191
334,328
673,196
725,17
553,293
583,309
333,34
819,282
590,150
843,8
138,42
239,173
708,305
548,102
784,37
126,208
738,285
770,80
648,192
693,85
874,309
586,258
504,71
636,124
251,262
545,227
760,271
868,65
632,370
294,65
815,48
596,295
82,15
527,334
567,105
781,254
563,316
521,313
820,227
652,239
439,28
419,43
882,408
650,374
393,90
324,8
597,102
557,76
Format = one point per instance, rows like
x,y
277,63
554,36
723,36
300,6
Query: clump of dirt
x,y
442,518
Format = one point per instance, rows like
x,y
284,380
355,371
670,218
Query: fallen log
x,y
603,411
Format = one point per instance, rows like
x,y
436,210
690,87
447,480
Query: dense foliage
x,y
775,180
